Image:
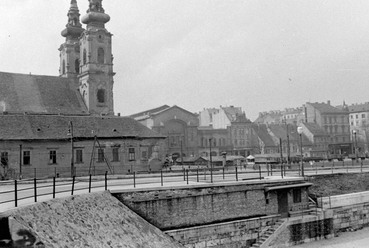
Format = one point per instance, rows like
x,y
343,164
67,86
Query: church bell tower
x,y
70,50
96,61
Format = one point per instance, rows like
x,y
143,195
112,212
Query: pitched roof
x,y
40,94
149,112
262,132
40,127
326,108
232,112
314,128
363,107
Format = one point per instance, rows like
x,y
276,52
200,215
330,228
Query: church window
x,y
63,67
100,55
101,95
76,65
84,56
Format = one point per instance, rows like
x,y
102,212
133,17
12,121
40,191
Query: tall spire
x,y
74,27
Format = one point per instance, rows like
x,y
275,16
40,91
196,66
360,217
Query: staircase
x,y
270,234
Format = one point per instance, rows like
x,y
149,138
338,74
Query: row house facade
x,y
359,126
335,122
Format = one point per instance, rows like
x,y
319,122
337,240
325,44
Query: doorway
x,y
282,203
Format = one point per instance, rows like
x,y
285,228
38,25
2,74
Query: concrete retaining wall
x,y
343,200
230,234
169,209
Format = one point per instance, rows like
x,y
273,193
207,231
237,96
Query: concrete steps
x,y
266,236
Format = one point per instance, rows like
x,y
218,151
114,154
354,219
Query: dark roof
x,y
325,108
39,127
315,129
364,107
262,132
40,94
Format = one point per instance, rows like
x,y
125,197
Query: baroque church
x,y
65,125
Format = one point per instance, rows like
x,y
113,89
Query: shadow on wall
x,y
13,234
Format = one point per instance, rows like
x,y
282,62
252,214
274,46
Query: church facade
x,y
65,125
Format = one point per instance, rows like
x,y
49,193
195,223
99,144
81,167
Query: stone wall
x,y
202,204
350,217
233,234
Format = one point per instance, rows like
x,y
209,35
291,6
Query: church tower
x,y
69,50
96,67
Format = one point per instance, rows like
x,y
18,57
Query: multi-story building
x,y
335,122
359,126
318,138
177,124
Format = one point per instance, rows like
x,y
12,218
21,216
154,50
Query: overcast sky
x,y
256,54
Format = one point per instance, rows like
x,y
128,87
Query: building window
x,y
76,65
100,55
115,154
26,157
79,156
101,95
357,116
52,157
296,195
63,67
4,159
362,115
100,155
84,56
144,155
131,154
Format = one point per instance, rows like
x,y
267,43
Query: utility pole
x,y
211,163
288,145
70,133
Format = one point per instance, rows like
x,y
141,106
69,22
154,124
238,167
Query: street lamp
x,y
355,144
299,130
211,162
70,133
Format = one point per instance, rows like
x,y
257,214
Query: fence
x,y
37,187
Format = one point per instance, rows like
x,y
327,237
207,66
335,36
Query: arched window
x,y
84,56
76,65
63,67
100,55
101,95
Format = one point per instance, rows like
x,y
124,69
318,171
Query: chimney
x,y
329,102
118,114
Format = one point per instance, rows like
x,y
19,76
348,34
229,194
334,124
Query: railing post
x,y
34,173
89,183
197,175
35,188
53,187
361,166
184,174
187,175
134,179
236,174
161,177
73,180
15,193
106,180
223,173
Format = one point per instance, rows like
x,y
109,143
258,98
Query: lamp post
x,y
299,130
211,162
70,133
355,144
